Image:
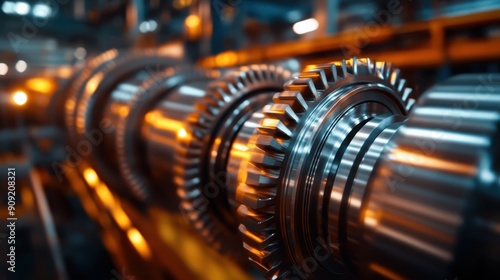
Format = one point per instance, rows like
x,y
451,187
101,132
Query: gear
x,y
264,233
77,88
93,90
203,129
149,92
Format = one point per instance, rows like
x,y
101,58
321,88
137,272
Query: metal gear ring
x,y
317,114
210,131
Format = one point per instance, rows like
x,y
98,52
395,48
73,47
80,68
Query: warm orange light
x,y
156,119
226,59
139,243
42,85
182,133
193,21
91,177
121,218
105,195
93,83
20,98
181,4
387,273
193,27
64,71
123,111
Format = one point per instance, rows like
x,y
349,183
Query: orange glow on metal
x,y
385,272
159,122
139,243
93,83
418,159
371,218
91,177
117,212
105,196
121,218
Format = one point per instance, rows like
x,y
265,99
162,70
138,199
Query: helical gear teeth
x,y
292,98
253,240
269,144
283,112
276,128
330,71
305,86
262,161
318,77
256,201
258,193
260,180
262,256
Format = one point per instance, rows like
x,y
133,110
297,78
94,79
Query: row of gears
x,y
331,172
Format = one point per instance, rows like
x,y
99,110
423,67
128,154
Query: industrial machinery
x,y
339,173
240,166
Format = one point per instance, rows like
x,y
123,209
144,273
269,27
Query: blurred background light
x,y
22,8
305,26
21,66
42,10
3,69
20,98
80,53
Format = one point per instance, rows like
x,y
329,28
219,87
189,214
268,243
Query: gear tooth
x,y
363,66
369,64
394,77
263,256
251,75
382,66
262,160
373,66
256,223
354,64
269,143
409,104
406,94
273,272
318,77
258,179
255,201
388,70
344,68
283,112
275,128
401,86
218,92
259,74
305,86
292,98
330,72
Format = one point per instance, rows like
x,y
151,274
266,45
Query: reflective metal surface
x,y
331,172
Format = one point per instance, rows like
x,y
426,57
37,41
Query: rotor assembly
x,y
335,171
